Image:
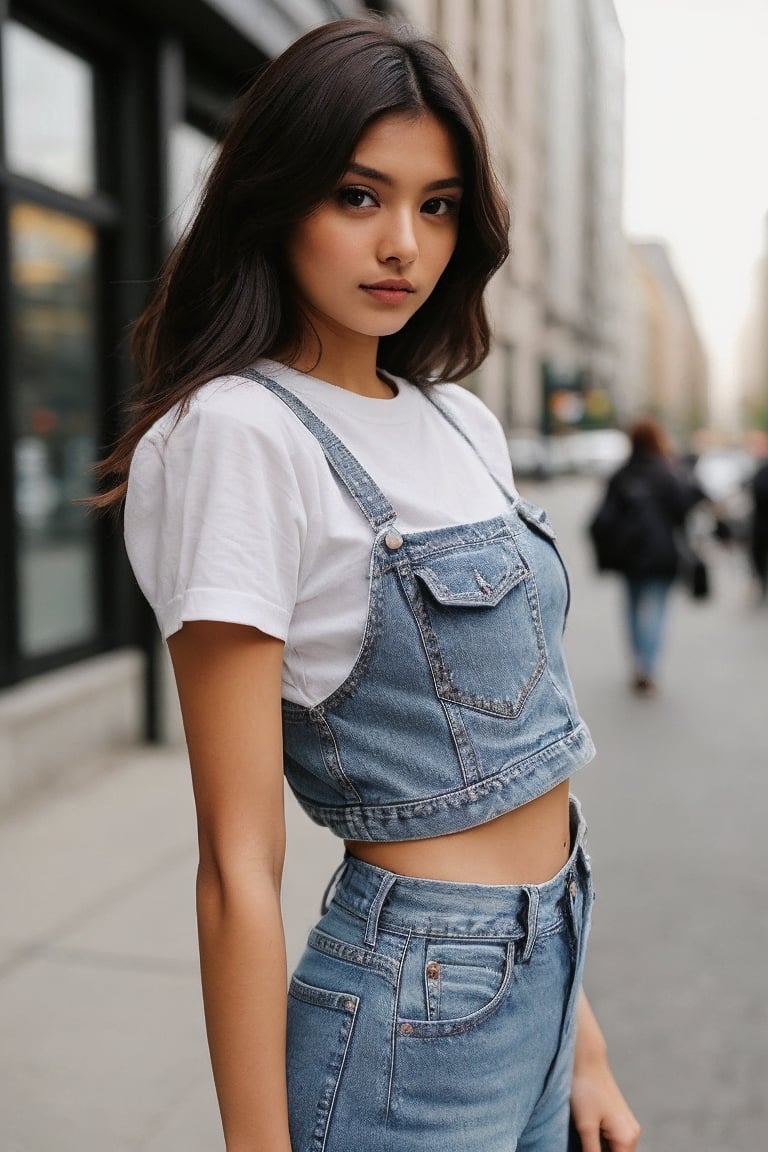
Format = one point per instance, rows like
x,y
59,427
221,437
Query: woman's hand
x,y
602,1116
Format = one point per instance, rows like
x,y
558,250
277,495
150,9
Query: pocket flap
x,y
477,576
535,517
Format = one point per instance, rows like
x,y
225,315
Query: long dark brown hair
x,y
223,298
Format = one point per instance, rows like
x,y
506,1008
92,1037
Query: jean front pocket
x,y
478,612
464,984
320,1025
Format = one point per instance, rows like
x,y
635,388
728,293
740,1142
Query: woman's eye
x,y
356,197
440,206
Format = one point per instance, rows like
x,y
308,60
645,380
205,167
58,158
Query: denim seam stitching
x,y
459,798
437,1029
343,1061
489,598
441,675
325,735
361,487
393,1037
352,954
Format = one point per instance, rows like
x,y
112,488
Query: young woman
x,y
353,593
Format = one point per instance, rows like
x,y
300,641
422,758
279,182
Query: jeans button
x,y
393,540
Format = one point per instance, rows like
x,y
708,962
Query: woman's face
x,y
368,257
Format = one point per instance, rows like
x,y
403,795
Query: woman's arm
x,y
228,677
601,1114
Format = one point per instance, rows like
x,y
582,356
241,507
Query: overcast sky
x,y
697,152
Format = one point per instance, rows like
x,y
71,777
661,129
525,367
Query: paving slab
x,y
153,921
63,858
92,1054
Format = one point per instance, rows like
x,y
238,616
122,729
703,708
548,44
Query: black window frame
x,y
120,71
152,65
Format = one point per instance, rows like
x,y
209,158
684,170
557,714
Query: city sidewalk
x,y
102,1047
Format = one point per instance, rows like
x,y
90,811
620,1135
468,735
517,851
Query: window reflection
x,y
53,358
49,123
191,156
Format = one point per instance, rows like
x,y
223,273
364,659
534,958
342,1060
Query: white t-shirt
x,y
234,514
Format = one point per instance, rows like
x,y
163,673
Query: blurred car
x,y
598,451
723,471
723,475
529,456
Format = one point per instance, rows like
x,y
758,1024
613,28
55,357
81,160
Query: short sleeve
x,y
214,522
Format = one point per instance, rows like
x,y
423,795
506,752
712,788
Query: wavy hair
x,y
224,298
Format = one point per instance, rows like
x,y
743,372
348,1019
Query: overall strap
x,y
364,491
429,393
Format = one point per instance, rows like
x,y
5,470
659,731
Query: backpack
x,y
622,524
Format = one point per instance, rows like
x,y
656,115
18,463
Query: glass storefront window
x,y
49,112
191,157
54,384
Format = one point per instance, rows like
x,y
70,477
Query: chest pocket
x,y
478,612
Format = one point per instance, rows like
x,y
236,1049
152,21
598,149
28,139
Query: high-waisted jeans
x,y
428,1016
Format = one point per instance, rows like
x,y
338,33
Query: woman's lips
x,y
388,292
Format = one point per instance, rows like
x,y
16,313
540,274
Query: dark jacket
x,y
652,496
760,500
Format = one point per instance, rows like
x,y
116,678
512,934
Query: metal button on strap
x,y
573,888
393,540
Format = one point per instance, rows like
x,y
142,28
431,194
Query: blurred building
x,y
754,346
549,77
584,243
109,114
665,370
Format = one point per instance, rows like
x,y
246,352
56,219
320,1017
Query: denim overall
x,y
459,706
428,1016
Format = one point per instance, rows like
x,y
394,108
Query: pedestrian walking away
x,y
355,596
639,531
759,529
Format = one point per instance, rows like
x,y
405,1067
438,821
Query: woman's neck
x,y
347,365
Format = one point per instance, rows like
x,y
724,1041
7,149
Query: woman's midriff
x,y
526,846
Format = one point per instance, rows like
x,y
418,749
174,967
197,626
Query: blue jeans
x,y
646,613
428,1016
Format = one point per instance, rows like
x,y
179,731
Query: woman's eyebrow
x,y
374,174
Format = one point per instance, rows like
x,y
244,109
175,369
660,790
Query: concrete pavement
x,y
102,1046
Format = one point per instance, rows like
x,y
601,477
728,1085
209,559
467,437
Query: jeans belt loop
x,y
372,926
532,921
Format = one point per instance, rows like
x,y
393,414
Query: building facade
x,y
108,116
583,277
754,346
549,77
497,46
665,368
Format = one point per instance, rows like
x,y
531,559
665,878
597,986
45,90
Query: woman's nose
x,y
398,243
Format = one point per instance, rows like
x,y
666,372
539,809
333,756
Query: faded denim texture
x,y
427,1016
459,706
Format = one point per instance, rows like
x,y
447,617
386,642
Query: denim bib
x,y
459,706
